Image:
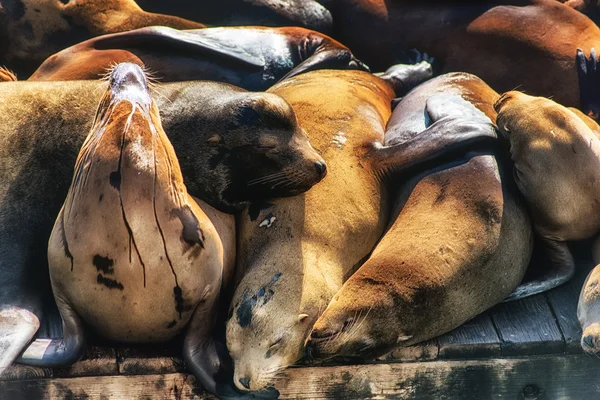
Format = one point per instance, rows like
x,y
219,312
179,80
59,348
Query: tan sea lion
x,y
226,139
298,251
251,57
556,152
32,30
459,240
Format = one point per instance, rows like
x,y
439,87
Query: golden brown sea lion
x,y
298,251
483,38
459,240
32,30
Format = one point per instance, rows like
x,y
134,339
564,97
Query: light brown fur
x,y
459,241
317,238
119,253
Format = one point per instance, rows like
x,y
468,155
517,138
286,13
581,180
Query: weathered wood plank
x,y
424,351
563,302
97,361
527,327
155,387
473,339
157,359
536,377
18,372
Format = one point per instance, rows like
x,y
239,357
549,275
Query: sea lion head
x,y
260,152
538,127
588,312
347,328
262,338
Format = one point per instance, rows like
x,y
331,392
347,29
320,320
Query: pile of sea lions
x,y
263,193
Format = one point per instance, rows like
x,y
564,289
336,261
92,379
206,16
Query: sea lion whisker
x,y
266,177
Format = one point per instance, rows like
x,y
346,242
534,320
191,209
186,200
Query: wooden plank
x,y
474,339
156,387
563,302
18,372
97,361
536,377
157,359
424,351
527,327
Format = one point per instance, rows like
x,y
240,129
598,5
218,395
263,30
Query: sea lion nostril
x,y
321,168
589,341
245,382
128,74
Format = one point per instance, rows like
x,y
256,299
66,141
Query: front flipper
x,y
589,88
17,328
552,266
209,361
58,352
454,125
192,42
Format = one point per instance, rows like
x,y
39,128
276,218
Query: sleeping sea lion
x,y
32,30
486,39
250,57
304,13
297,252
556,152
452,248
227,141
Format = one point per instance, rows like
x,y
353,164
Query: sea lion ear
x,y
302,317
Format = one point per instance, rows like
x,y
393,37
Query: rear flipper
x,y
589,88
554,266
335,58
404,77
58,352
455,125
17,328
209,359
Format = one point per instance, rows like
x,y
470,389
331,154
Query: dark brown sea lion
x,y
305,13
250,57
459,240
227,141
32,30
485,39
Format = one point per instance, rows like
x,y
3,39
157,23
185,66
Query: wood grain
x,y
474,339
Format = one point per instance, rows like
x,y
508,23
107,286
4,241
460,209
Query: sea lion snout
x,y
128,82
590,340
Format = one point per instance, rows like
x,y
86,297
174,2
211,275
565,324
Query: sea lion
x,y
32,30
304,13
452,248
129,239
556,153
250,57
297,252
226,139
482,38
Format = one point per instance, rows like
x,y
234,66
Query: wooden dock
x,y
527,349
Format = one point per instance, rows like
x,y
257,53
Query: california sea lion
x,y
556,153
305,13
452,249
298,251
32,30
250,57
226,139
129,239
485,39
